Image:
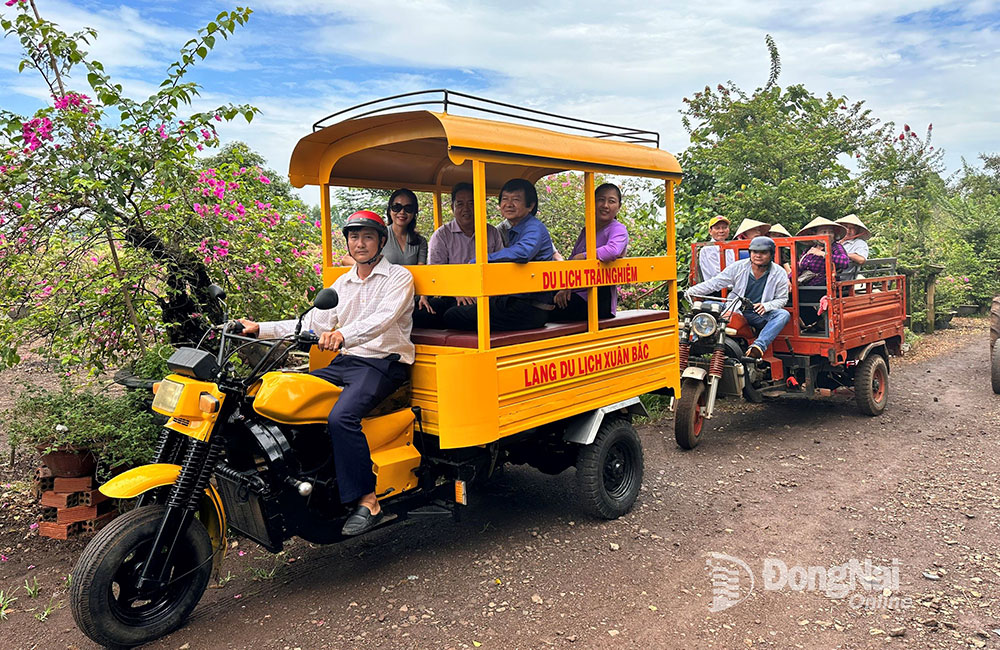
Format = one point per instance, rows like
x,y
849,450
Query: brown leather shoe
x,y
754,352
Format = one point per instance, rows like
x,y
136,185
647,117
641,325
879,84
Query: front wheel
x,y
871,385
104,601
689,418
609,470
995,367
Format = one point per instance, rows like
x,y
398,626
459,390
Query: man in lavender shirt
x,y
454,243
612,240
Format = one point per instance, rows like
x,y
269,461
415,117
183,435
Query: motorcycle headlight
x,y
167,396
704,325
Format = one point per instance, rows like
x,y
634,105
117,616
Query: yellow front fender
x,y
135,481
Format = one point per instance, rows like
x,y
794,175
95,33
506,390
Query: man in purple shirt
x,y
612,240
454,243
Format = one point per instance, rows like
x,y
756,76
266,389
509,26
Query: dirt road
x,y
806,484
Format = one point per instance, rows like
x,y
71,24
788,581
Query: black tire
x,y
609,470
871,385
995,367
116,620
688,419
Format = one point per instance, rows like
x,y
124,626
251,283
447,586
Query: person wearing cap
x,y
814,259
855,242
763,283
708,256
748,229
370,327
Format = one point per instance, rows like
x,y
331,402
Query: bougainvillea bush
x,y
111,225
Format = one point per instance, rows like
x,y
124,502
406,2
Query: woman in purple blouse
x,y
815,258
612,240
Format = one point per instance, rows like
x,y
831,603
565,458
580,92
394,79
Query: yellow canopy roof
x,y
430,151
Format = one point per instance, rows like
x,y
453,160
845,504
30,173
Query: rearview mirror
x,y
216,292
326,299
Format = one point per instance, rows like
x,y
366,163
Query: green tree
x,y
776,154
900,173
101,249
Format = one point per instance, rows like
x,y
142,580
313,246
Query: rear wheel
x,y
609,470
995,367
689,419
871,385
104,601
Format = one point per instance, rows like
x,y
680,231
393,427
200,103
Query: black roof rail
x,y
449,100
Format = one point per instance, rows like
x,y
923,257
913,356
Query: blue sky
x,y
912,61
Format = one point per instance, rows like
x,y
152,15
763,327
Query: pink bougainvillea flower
x,y
264,179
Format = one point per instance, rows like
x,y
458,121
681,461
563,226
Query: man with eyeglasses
x,y
454,243
529,241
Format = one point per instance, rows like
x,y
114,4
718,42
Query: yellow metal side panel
x,y
446,279
467,398
545,385
394,469
320,358
387,428
331,273
295,398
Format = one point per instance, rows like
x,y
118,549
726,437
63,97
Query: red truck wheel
x,y
871,385
688,419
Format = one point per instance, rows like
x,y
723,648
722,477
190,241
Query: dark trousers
x,y
425,319
366,382
576,308
507,313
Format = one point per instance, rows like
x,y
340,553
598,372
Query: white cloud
x,y
611,62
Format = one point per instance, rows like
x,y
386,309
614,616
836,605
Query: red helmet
x,y
365,219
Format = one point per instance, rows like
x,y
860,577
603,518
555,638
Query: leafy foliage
x,y
102,247
119,429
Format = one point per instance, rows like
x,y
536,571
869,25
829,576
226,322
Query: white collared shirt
x,y
708,260
375,315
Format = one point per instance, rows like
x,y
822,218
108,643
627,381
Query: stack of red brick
x,y
71,506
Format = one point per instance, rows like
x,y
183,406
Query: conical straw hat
x,y
748,224
810,227
778,229
853,220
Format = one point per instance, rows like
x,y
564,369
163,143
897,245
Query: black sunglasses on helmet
x,y
410,208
